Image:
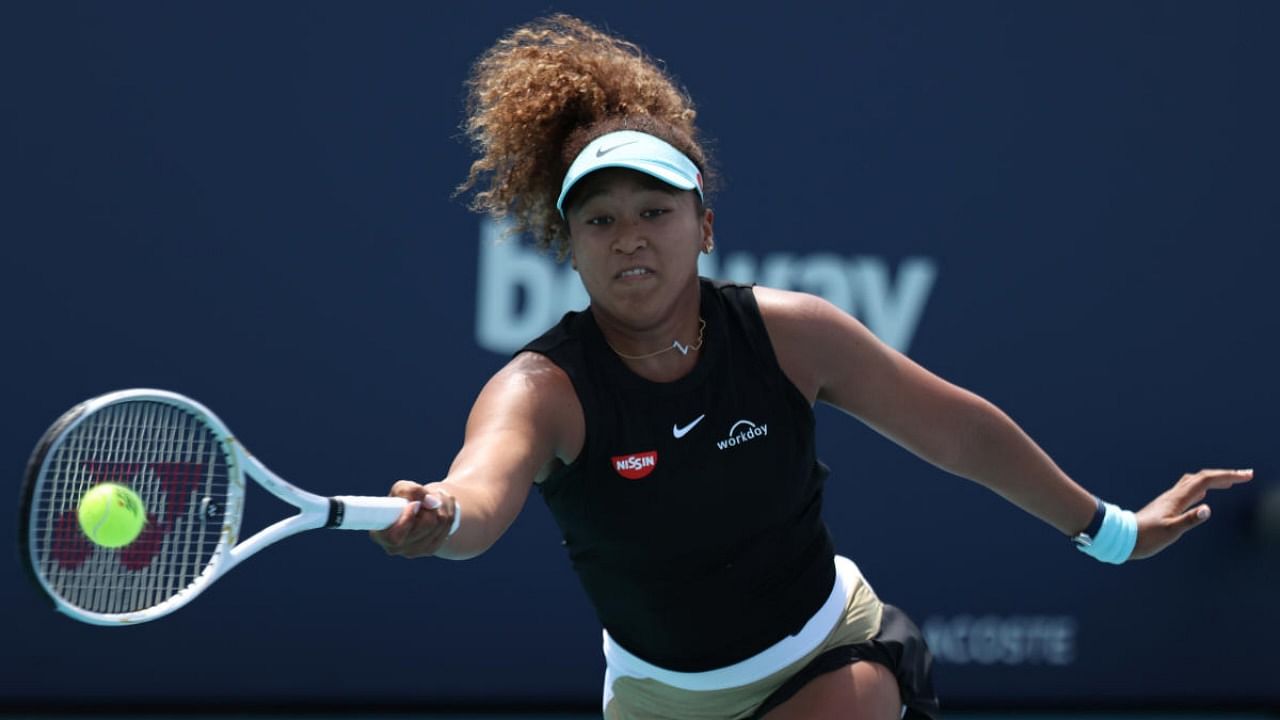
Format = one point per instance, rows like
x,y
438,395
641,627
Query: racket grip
x,y
364,512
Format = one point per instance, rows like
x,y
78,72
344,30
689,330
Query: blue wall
x,y
1070,208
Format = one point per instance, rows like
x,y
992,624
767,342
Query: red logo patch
x,y
636,465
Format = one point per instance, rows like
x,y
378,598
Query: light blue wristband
x,y
1116,538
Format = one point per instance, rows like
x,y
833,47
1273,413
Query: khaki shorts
x,y
648,699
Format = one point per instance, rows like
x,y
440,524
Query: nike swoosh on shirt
x,y
601,152
680,432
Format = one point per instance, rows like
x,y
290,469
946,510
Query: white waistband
x,y
768,661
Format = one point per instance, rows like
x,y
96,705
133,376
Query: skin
x,y
527,419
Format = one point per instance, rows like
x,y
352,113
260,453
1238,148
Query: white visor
x,y
634,151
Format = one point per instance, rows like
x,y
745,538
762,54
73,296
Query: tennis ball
x,y
112,515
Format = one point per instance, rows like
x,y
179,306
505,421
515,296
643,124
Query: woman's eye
x,y
654,212
600,220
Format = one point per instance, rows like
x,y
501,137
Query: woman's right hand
x,y
423,526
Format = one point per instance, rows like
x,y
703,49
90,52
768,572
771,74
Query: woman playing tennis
x,y
669,426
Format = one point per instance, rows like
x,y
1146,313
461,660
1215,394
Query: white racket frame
x,y
315,511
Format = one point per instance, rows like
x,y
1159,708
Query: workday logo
x,y
743,431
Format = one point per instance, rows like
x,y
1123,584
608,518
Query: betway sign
x,y
522,292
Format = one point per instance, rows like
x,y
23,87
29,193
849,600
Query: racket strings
x,y
175,463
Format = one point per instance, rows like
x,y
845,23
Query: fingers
x,y
1191,518
1157,532
396,533
1216,479
408,490
400,529
1192,488
423,526
432,522
1180,508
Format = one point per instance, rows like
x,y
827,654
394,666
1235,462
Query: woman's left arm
x,y
833,358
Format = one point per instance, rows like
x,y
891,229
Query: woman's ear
x,y
708,231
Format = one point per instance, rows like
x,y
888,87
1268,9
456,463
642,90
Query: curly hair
x,y
540,95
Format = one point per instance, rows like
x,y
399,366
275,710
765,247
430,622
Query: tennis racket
x,y
190,472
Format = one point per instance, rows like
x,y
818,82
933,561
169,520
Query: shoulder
x,y
787,307
797,324
783,312
535,395
797,319
533,379
817,343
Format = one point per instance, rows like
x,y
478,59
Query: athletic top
x,y
693,514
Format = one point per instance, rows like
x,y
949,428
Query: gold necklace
x,y
675,345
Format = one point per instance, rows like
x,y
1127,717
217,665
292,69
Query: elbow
x,y
971,427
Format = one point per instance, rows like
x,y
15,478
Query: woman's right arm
x,y
525,419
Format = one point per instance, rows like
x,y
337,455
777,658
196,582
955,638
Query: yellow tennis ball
x,y
112,515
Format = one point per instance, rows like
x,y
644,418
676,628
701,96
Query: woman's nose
x,y
631,237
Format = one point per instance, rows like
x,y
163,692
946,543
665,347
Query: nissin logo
x,y
636,465
741,432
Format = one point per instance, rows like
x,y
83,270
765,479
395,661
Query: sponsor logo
x,y
635,465
521,292
170,488
1002,640
680,432
743,431
601,152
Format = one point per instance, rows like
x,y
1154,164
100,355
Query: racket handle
x,y
364,512
361,512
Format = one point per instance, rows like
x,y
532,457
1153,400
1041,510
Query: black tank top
x,y
693,513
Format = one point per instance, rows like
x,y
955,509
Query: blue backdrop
x,y
1070,208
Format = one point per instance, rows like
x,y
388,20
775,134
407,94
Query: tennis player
x,y
670,428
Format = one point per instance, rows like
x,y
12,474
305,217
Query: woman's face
x,y
635,242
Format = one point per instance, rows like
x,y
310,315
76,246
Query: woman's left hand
x,y
1177,510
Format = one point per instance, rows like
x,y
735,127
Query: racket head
x,y
184,464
